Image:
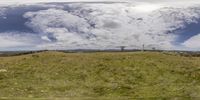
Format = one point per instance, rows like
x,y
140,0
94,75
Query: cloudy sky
x,y
46,24
147,1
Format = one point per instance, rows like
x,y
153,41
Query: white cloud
x,y
146,8
150,1
11,39
193,42
58,24
38,1
2,12
10,42
108,25
112,27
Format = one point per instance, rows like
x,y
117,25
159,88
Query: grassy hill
x,y
136,75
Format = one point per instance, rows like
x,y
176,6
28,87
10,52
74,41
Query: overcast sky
x,y
24,1
150,1
163,2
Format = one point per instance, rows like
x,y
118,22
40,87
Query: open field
x,y
103,75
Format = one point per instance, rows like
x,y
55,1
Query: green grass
x,y
135,75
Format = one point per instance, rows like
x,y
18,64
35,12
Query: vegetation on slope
x,y
147,75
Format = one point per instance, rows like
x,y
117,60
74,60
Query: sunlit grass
x,y
144,75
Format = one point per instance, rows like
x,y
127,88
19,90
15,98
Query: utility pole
x,y
122,48
143,47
